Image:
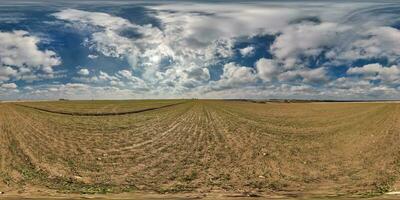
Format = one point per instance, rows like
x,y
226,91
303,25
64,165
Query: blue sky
x,y
204,49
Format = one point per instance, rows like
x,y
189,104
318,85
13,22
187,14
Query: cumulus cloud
x,y
193,50
377,71
92,56
125,73
9,86
107,33
305,75
266,68
376,42
314,75
228,20
6,73
73,90
123,79
237,74
20,56
247,51
233,76
308,39
165,57
83,72
19,49
93,18
193,76
126,76
177,56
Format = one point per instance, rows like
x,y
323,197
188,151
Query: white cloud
x,y
233,76
6,73
307,39
83,72
126,77
377,42
197,73
110,43
123,79
92,56
80,91
237,74
193,76
106,77
305,74
9,86
266,68
377,71
355,88
165,57
180,57
125,73
20,49
93,18
228,20
314,75
20,56
106,37
247,51
370,69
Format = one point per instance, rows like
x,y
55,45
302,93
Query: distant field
x,y
98,107
200,146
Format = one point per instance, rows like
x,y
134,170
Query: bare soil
x,y
199,149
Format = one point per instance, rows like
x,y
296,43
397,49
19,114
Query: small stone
x,y
253,195
261,176
99,158
1,192
78,178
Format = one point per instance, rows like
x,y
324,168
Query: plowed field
x,y
200,146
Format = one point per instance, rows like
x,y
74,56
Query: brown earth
x,y
212,148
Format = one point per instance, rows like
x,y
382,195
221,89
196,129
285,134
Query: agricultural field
x,y
101,107
199,147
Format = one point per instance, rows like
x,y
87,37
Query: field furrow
x,y
202,145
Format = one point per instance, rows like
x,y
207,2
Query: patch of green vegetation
x,y
370,194
220,179
23,164
68,185
6,178
30,174
95,189
385,185
62,184
190,177
276,185
259,184
380,187
175,188
129,188
14,147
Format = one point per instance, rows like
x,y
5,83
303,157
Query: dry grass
x,y
202,146
104,107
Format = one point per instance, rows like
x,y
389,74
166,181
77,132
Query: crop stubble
x,y
201,145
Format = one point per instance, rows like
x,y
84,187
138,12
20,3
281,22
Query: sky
x,y
99,49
